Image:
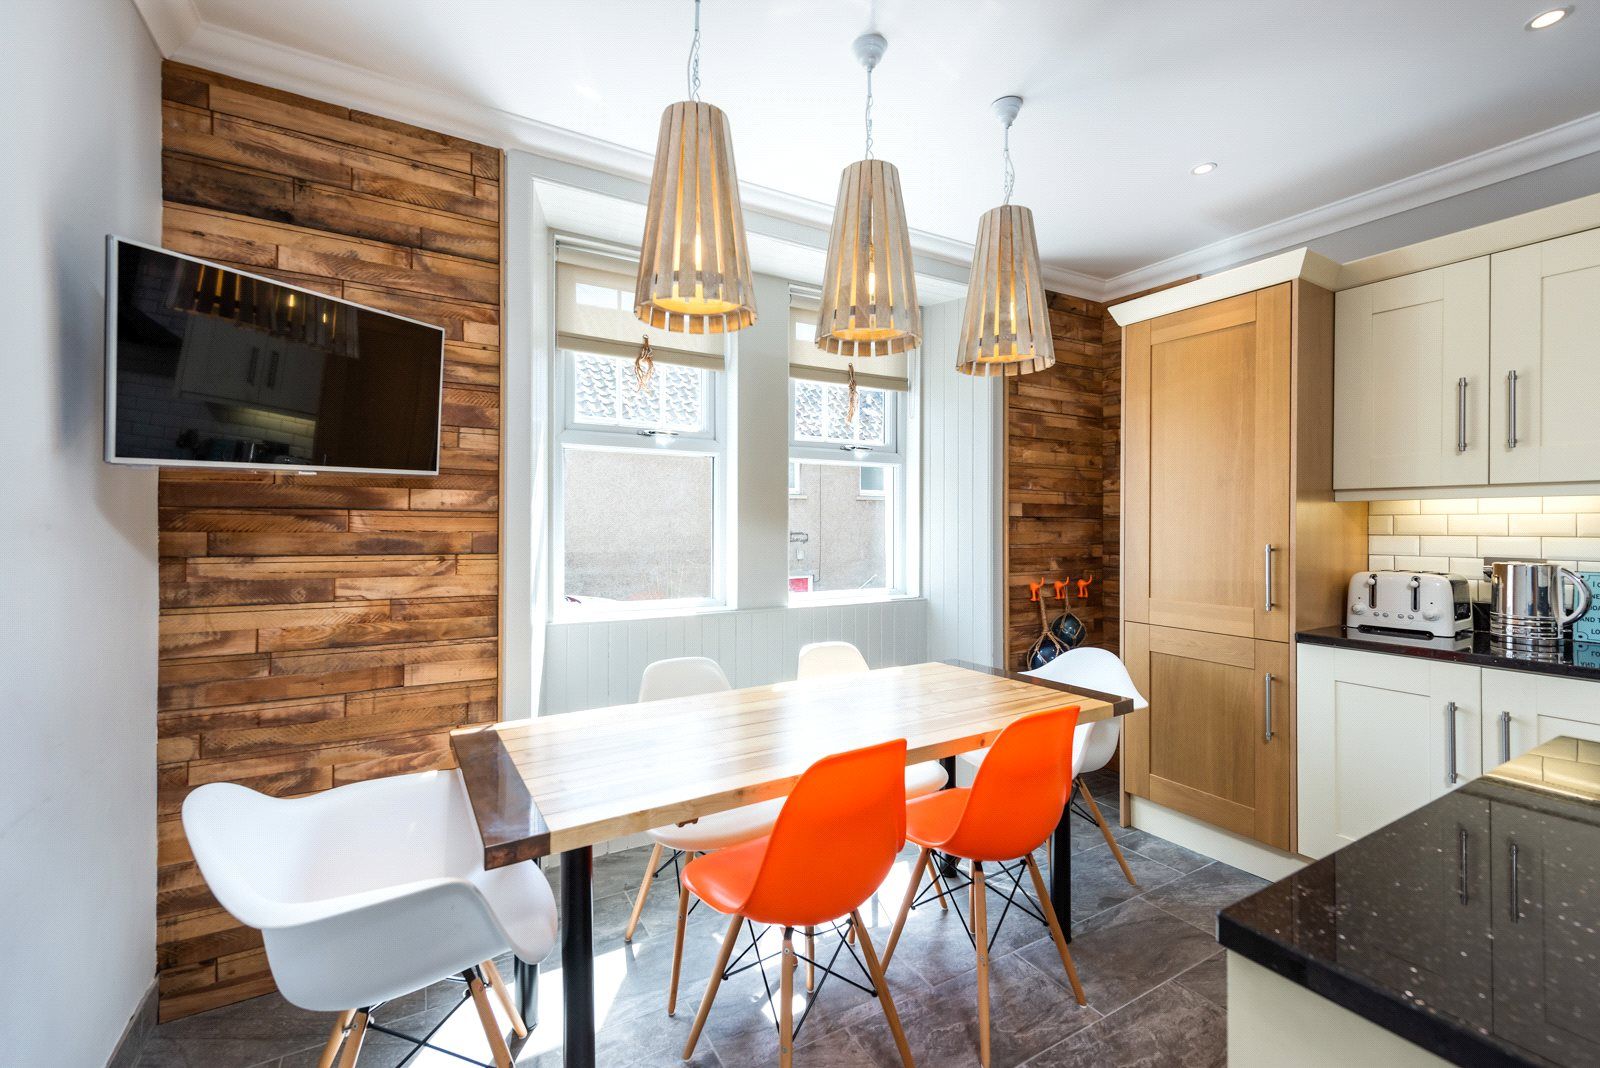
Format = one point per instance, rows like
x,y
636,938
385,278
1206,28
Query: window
x,y
638,479
846,492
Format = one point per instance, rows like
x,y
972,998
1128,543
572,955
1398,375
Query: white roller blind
x,y
594,313
813,364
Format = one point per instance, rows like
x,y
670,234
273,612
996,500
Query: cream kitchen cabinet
x,y
1522,710
1377,737
1411,381
1544,360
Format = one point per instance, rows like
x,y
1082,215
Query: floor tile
x,y
1161,850
1167,1028
1209,979
1198,896
1125,953
1098,883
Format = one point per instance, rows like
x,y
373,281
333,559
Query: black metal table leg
x,y
1061,871
527,979
947,864
577,956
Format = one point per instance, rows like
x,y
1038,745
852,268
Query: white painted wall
x,y
758,412
963,473
81,127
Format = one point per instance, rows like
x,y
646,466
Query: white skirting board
x,y
1261,861
1273,1022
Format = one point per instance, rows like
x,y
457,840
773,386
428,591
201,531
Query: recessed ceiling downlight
x,y
1546,19
1202,168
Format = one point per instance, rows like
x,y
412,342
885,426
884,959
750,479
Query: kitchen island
x,y
1467,932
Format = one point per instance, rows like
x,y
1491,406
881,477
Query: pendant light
x,y
869,293
694,268
1006,328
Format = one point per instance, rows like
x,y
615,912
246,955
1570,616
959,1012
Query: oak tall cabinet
x,y
1231,543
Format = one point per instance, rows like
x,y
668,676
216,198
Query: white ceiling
x,y
1302,105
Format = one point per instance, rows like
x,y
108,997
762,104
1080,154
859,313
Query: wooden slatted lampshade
x,y
694,268
1006,327
869,290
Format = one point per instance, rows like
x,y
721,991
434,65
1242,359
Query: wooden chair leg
x,y
728,942
938,884
352,1041
786,1003
1083,788
811,959
905,906
491,973
644,891
335,1036
881,981
491,1026
677,948
1055,929
980,935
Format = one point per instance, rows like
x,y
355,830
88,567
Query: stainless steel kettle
x,y
1525,602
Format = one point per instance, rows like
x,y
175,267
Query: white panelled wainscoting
x,y
593,664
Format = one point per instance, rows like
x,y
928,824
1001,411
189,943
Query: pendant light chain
x,y
869,112
1011,172
694,57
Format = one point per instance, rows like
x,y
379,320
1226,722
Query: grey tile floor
x,y
1147,956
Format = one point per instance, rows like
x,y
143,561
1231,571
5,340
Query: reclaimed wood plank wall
x,y
318,630
1056,452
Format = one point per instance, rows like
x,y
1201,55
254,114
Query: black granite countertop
x,y
1579,660
1470,927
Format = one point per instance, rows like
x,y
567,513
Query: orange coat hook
x,y
1083,587
1033,590
1061,588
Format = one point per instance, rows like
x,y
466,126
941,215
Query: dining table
x,y
559,785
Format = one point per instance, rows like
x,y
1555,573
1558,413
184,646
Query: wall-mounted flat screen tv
x,y
210,366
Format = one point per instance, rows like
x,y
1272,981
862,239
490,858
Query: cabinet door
x,y
1544,872
1546,332
1522,710
1411,380
1206,468
1375,740
1217,741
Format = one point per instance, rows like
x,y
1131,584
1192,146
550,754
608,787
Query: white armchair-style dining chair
x,y
369,891
821,659
692,676
1092,743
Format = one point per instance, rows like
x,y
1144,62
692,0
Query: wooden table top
x,y
561,782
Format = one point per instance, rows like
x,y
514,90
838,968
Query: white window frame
x,y
709,441
891,455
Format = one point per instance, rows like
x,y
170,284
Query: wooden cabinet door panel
x,y
1202,748
1207,411
1411,385
1522,710
1546,329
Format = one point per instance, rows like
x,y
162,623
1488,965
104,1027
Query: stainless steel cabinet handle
x,y
1269,677
1461,414
1511,409
1516,878
1461,866
1450,776
1505,737
1266,555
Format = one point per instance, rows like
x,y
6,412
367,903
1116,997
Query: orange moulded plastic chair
x,y
1013,804
835,841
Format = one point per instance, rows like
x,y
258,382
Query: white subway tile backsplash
x,y
1481,525
1393,545
1421,524
1455,545
1455,536
1461,507
1558,524
1521,548
1573,548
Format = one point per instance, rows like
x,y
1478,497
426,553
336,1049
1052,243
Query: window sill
x,y
810,600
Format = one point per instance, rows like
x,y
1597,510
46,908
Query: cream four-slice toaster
x,y
1417,602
